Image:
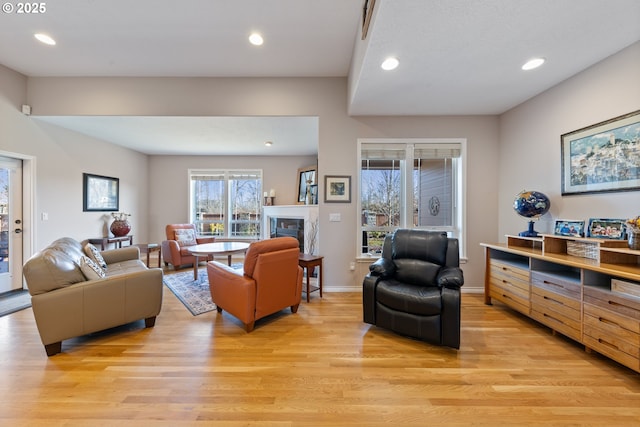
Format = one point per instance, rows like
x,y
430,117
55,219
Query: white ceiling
x,y
457,57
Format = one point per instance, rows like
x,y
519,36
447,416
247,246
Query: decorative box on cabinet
x,y
570,290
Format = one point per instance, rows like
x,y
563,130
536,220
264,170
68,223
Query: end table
x,y
309,262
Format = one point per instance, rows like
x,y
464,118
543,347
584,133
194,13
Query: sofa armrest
x,y
450,277
112,256
232,291
383,267
369,298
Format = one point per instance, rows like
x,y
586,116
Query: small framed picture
x,y
606,228
337,189
569,227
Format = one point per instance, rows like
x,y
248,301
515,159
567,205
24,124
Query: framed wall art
x,y
569,227
337,189
606,228
306,179
100,193
602,157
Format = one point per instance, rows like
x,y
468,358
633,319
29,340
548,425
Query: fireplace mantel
x,y
307,212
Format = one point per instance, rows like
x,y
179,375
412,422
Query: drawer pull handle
x,y
552,300
617,304
607,321
553,318
608,344
546,282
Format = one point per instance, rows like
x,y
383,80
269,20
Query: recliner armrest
x,y
450,277
383,267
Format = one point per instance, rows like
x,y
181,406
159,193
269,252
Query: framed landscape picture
x,y
100,193
602,157
606,228
337,189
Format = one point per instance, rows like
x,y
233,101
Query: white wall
x,y
325,98
60,159
169,189
530,142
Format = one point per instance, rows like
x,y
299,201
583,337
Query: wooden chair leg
x,y
219,309
249,326
54,348
294,308
150,322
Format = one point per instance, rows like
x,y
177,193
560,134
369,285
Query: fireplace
x,y
291,227
299,221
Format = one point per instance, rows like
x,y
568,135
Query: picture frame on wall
x,y
606,228
337,189
307,177
602,157
100,193
569,227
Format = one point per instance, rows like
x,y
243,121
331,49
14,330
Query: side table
x,y
309,262
104,241
147,248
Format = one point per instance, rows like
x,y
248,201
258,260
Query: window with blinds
x,y
226,203
410,184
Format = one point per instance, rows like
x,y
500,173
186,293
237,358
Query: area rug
x,y
14,301
194,294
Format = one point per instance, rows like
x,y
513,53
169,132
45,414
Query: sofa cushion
x,y
92,252
418,300
91,269
185,237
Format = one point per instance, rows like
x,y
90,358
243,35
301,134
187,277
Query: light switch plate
x,y
334,217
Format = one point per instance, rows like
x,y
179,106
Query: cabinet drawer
x,y
557,301
608,346
508,271
557,322
613,319
624,306
556,284
598,324
510,299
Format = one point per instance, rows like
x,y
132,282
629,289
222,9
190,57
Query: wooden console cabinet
x,y
585,289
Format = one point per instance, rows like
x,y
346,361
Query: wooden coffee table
x,y
216,248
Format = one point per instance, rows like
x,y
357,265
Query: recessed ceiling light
x,y
268,143
45,39
390,63
533,63
256,39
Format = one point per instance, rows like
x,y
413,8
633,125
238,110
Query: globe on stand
x,y
531,205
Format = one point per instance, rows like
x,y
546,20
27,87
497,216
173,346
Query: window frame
x,y
227,222
407,186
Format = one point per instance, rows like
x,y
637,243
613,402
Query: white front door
x,y
10,224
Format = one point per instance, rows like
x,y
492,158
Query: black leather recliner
x,y
414,288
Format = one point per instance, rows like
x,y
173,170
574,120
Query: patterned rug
x,y
194,294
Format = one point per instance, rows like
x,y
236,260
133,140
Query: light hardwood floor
x,y
319,367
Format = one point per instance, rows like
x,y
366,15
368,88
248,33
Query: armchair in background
x,y
414,288
270,281
179,238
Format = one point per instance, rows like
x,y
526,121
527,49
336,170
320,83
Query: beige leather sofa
x,y
66,304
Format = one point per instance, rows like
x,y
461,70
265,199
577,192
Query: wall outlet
x,y
352,266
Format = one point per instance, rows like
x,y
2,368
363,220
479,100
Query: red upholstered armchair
x,y
179,238
271,281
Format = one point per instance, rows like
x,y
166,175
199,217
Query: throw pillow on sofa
x,y
91,269
186,237
93,253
